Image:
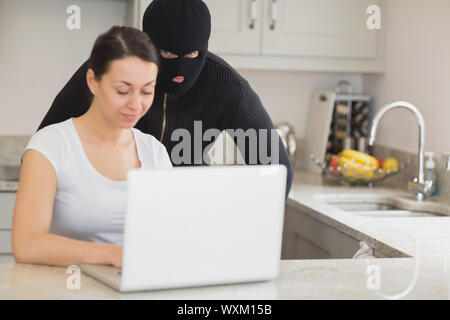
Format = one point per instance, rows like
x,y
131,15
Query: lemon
x,y
390,164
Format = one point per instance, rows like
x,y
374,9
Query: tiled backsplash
x,y
410,162
443,179
411,171
11,149
407,159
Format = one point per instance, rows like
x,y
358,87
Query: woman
x,y
71,199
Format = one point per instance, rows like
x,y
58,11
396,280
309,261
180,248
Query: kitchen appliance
x,y
287,135
351,120
337,120
199,226
318,127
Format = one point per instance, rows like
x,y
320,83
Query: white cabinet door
x,y
7,200
307,35
305,237
5,242
137,10
318,28
236,26
6,258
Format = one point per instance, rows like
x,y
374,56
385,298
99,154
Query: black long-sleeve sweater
x,y
220,98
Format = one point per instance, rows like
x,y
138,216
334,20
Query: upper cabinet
x,y
311,35
136,11
236,26
318,28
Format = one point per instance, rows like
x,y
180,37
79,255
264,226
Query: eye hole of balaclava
x,y
178,75
180,27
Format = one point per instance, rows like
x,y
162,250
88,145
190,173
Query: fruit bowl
x,y
360,169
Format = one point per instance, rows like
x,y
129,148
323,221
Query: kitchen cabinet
x,y
136,9
319,28
312,35
5,242
6,258
305,237
236,26
5,246
7,201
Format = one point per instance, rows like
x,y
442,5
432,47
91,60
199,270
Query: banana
x,y
354,169
361,158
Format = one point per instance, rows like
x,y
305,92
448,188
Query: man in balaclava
x,y
180,28
193,86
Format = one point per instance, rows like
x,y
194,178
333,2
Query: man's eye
x,y
121,92
167,54
193,54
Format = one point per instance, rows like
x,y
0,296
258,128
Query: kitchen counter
x,y
299,279
424,237
420,269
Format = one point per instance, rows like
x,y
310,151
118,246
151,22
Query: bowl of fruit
x,y
357,167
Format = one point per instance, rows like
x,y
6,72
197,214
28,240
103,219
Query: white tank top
x,y
89,206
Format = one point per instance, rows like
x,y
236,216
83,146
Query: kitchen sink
x,y
370,205
356,206
9,173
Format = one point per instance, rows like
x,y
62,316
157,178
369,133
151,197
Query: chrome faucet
x,y
419,185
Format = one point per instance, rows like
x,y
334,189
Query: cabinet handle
x,y
274,14
253,11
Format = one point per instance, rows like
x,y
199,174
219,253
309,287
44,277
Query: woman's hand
x,y
116,256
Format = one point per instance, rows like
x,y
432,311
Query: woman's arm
x,y
31,241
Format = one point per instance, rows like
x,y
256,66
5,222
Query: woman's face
x,y
125,93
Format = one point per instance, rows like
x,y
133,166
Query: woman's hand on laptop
x,y
116,256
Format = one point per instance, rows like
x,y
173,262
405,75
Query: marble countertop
x,y
421,269
424,237
299,279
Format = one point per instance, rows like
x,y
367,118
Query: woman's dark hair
x,y
121,42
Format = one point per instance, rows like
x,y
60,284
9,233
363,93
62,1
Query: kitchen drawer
x,y
5,242
7,258
7,200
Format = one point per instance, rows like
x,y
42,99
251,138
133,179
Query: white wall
x,y
38,54
417,71
287,95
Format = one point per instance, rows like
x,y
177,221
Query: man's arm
x,y
251,114
72,101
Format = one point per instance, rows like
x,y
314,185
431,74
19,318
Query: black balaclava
x,y
181,27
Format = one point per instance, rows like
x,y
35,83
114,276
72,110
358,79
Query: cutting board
x,y
318,128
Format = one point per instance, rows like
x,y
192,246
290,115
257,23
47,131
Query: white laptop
x,y
197,226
